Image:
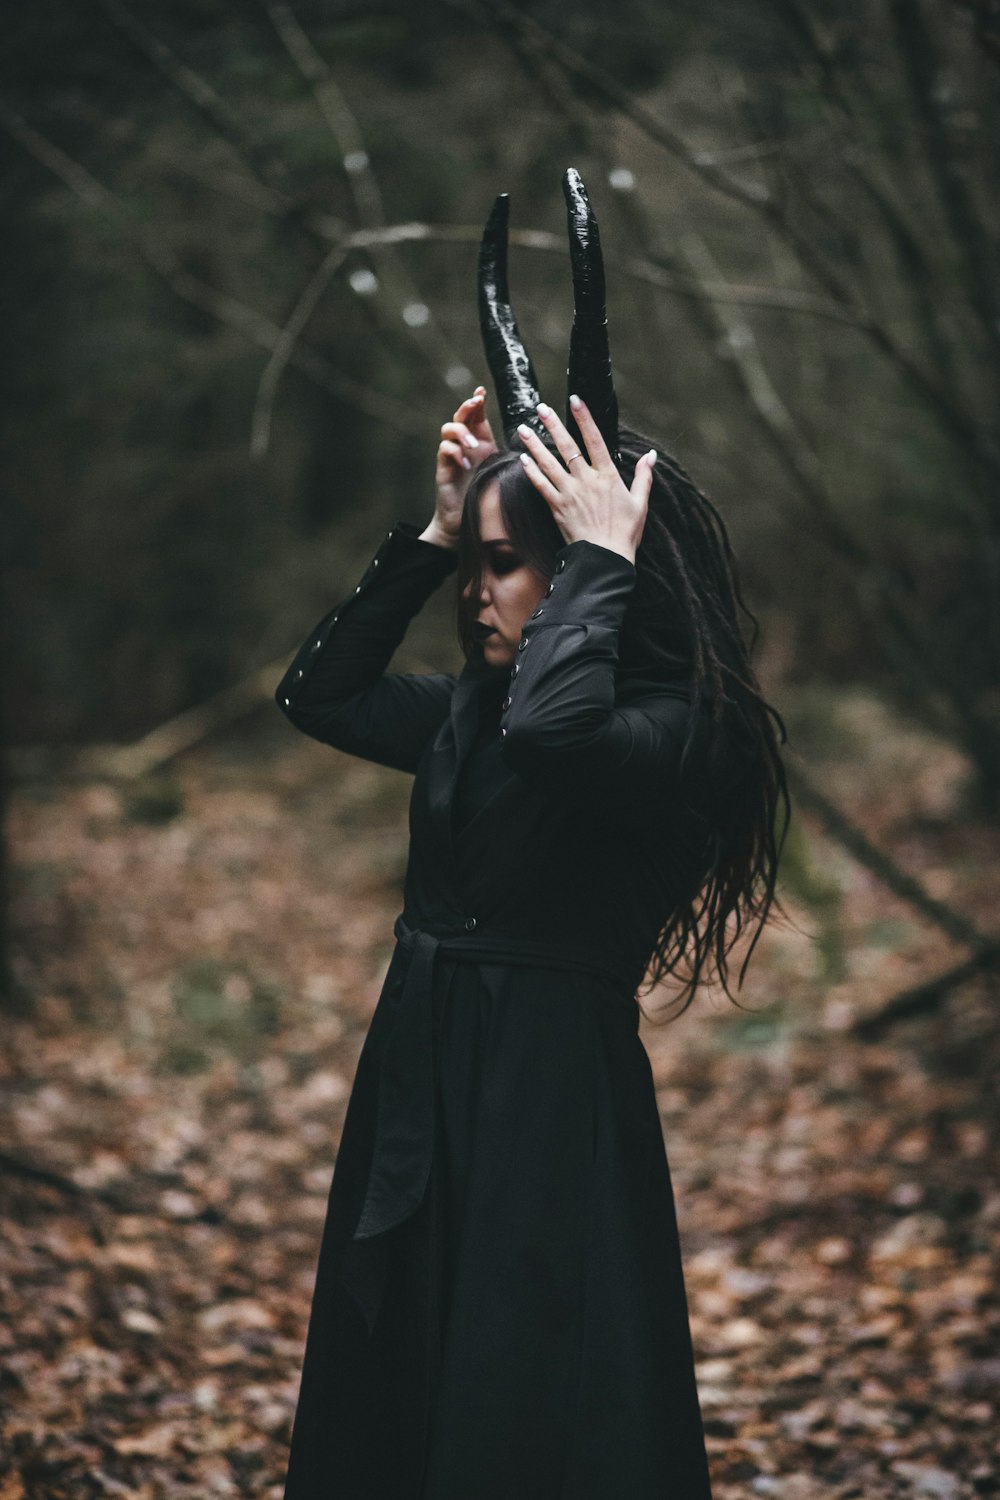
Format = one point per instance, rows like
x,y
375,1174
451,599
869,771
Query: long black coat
x,y
499,1310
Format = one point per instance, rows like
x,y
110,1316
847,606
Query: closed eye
x,y
502,559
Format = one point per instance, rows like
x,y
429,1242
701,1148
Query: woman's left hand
x,y
586,493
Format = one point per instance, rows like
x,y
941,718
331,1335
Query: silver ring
x,y
577,454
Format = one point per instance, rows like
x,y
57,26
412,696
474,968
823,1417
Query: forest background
x,y
238,280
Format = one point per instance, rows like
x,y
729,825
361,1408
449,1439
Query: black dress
x,y
499,1311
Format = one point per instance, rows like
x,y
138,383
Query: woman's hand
x,y
465,442
588,498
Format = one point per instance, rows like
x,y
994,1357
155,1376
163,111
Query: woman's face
x,y
509,591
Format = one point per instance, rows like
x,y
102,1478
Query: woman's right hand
x,y
466,442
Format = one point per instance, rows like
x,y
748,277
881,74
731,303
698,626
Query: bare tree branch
x,y
334,108
283,342
788,443
400,291
236,185
256,158
69,172
903,236
247,321
962,430
760,150
700,289
283,349
973,246
910,253
739,294
498,15
986,20
913,652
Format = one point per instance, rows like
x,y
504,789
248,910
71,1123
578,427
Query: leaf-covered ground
x,y
206,949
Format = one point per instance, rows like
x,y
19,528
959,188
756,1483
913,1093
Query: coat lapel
x,y
450,749
465,714
467,711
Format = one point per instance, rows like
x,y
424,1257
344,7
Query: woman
x,y
499,1308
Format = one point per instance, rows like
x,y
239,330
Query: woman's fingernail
x,y
465,462
651,455
575,401
543,410
470,441
524,430
524,459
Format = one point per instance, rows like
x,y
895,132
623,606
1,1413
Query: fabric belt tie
x,y
401,1178
406,1106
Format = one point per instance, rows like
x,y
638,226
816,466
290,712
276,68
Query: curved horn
x,y
514,378
589,374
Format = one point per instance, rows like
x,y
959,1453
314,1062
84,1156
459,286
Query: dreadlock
x,y
683,621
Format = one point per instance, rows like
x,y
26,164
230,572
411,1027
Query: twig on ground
x,y
928,996
183,731
857,843
923,999
122,1200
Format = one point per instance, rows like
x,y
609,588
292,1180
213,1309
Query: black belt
x,y
405,1119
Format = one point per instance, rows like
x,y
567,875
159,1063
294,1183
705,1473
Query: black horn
x,y
589,374
514,378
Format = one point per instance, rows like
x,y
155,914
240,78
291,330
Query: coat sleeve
x,y
337,689
560,721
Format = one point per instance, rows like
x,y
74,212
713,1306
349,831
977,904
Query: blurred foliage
x,y
839,404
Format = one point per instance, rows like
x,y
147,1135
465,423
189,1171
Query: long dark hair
x,y
682,623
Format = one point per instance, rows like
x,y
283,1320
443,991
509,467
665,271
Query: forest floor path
x,y
205,949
